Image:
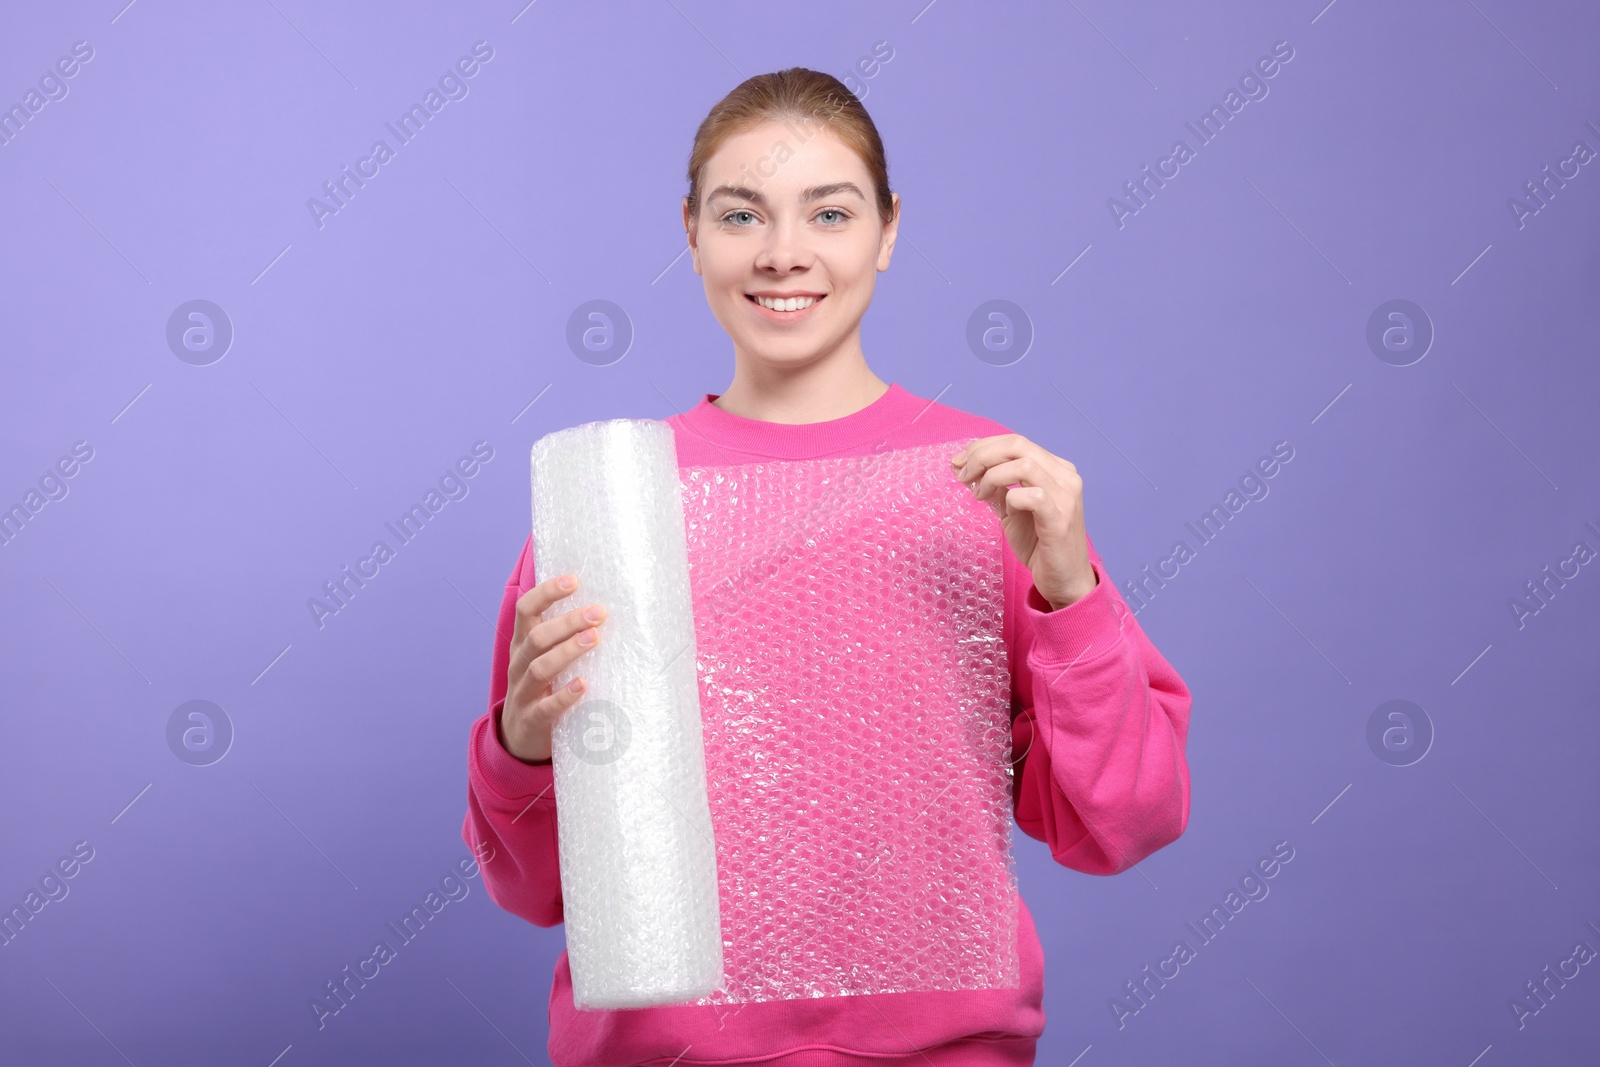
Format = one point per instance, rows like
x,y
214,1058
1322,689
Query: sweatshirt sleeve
x,y
1099,725
511,805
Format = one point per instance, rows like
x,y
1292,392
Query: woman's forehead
x,y
796,155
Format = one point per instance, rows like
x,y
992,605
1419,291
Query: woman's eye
x,y
737,217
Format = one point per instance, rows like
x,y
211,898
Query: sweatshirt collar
x,y
806,440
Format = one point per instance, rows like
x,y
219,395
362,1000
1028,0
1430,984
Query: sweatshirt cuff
x,y
1086,628
507,777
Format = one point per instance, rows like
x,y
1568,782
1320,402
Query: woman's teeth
x,y
793,303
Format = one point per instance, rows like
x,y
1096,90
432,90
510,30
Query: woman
x,y
789,219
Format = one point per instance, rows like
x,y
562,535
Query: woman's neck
x,y
816,394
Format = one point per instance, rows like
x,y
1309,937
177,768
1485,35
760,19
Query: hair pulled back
x,y
803,99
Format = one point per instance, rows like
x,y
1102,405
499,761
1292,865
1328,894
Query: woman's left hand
x,y
1039,498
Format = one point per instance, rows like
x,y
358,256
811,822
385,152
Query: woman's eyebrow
x,y
816,192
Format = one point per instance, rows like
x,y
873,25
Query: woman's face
x,y
787,211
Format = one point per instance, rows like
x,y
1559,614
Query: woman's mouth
x,y
791,309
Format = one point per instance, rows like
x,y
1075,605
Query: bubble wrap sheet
x,y
855,701
638,865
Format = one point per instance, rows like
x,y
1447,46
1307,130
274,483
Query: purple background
x,y
370,353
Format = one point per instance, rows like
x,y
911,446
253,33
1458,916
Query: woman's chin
x,y
794,352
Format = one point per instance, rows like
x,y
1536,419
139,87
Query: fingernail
x,y
593,612
569,583
588,637
576,685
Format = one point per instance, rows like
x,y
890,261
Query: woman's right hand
x,y
540,651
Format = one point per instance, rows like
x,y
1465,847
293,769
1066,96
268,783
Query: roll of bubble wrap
x,y
637,853
855,698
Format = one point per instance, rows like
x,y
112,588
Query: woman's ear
x,y
891,230
691,230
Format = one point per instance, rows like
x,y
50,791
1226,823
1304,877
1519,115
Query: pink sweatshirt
x,y
1103,782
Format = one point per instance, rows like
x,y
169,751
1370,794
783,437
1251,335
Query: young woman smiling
x,y
789,219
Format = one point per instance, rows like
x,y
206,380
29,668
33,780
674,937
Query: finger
x,y
961,456
543,668
531,606
1048,517
1026,471
983,452
988,452
546,635
549,709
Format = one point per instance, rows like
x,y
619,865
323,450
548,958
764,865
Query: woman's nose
x,y
782,249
